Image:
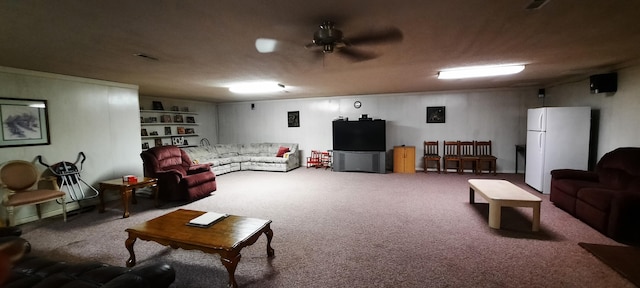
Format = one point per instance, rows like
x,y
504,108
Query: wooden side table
x,y
127,191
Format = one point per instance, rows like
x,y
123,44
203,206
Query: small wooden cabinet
x,y
404,159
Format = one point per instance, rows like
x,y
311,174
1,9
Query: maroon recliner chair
x,y
608,199
178,178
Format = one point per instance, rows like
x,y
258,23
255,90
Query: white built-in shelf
x,y
169,123
168,136
168,112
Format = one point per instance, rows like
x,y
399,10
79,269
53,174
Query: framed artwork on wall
x,y
23,122
293,118
436,114
177,141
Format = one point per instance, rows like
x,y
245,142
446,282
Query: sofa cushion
x,y
614,178
598,198
267,159
178,168
281,151
228,150
571,187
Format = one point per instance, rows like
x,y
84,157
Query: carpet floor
x,y
342,229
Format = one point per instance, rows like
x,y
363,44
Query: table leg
x,y
494,214
536,217
134,200
125,195
471,196
101,197
516,160
231,263
155,195
132,256
269,234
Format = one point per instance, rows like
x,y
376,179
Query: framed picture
x,y
293,118
167,130
143,132
177,140
180,130
189,131
24,122
177,119
157,105
158,142
165,119
191,119
145,145
435,114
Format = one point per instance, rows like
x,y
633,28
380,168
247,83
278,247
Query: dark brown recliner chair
x,y
607,199
178,178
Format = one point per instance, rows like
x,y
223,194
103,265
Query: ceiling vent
x,y
536,4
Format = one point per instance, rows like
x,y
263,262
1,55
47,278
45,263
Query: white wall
x,y
98,118
619,116
498,115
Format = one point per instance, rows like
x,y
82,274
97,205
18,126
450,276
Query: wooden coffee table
x,y
226,237
127,191
502,193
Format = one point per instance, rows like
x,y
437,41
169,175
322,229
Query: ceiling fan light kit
x,y
480,71
266,45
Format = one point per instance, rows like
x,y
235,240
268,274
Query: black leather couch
x,y
33,271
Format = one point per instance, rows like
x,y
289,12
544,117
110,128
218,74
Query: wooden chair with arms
x,y
18,178
451,153
468,155
483,152
431,154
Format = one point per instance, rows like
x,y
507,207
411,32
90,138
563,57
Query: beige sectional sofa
x,y
225,158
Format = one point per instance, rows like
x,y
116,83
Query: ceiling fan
x,y
330,39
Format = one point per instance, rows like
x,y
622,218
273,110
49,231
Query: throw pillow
x,y
281,151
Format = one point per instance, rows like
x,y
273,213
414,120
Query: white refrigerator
x,y
557,138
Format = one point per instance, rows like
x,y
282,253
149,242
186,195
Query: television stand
x,y
359,161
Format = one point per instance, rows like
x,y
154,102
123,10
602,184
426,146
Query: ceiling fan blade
x,y
391,34
356,55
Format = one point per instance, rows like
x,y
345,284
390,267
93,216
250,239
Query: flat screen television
x,y
366,135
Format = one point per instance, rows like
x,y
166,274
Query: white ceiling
x,y
202,46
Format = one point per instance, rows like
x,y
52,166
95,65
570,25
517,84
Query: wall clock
x,y
357,104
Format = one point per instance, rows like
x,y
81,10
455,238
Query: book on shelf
x,y
207,219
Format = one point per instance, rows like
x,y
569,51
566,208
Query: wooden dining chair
x,y
19,180
431,154
450,153
467,155
483,152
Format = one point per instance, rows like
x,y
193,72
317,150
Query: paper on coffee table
x,y
207,219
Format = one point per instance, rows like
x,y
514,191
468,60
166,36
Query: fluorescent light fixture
x,y
256,87
37,105
265,45
480,71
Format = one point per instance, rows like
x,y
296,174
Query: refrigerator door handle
x,y
540,141
540,116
